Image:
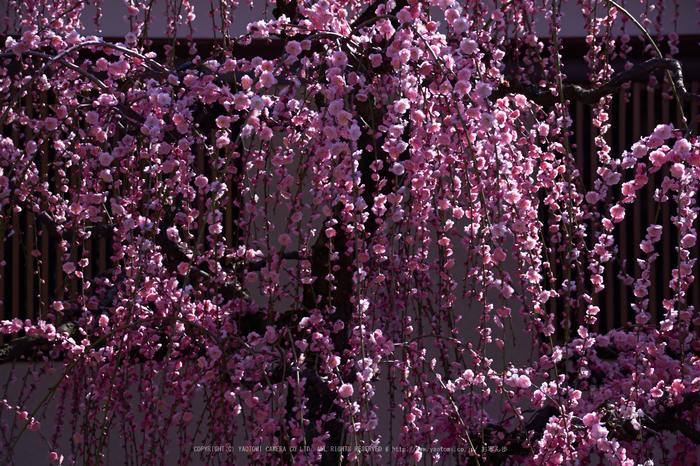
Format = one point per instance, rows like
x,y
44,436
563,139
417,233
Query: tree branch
x,y
621,428
178,253
19,346
53,228
574,92
669,418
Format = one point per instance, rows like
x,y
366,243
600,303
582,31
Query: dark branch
x,y
20,346
54,229
574,92
670,419
178,253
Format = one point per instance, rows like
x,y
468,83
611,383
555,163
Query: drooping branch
x,y
573,92
516,441
178,253
53,228
670,420
19,346
371,11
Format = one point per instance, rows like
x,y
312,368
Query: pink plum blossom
x,y
402,210
345,390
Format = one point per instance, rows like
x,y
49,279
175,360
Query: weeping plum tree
x,y
376,213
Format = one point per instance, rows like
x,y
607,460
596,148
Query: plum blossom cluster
x,y
290,239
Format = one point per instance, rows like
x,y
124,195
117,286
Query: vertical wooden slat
x,y
648,195
73,284
228,216
3,280
45,258
582,160
694,292
26,234
637,219
31,267
16,297
610,276
4,306
624,229
668,254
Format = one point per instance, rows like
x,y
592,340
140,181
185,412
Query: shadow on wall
x,y
35,446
